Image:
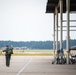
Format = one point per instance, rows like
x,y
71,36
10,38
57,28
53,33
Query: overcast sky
x,y
25,20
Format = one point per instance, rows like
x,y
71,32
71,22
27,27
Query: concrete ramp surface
x,y
34,65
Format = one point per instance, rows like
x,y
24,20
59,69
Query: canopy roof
x,y
51,4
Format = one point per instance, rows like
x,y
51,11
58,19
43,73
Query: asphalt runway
x,y
34,65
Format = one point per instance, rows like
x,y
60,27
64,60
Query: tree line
x,y
36,44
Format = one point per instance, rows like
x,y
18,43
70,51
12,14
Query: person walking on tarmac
x,y
7,55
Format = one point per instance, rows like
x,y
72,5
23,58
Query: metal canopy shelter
x,y
61,6
51,4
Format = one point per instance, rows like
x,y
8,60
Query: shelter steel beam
x,y
61,17
69,20
66,30
69,26
67,43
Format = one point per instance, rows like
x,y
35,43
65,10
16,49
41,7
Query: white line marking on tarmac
x,y
24,67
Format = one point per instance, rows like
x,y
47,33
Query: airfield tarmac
x,y
34,65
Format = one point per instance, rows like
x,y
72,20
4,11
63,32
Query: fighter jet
x,y
73,48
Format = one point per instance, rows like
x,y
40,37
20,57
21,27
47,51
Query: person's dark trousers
x,y
7,60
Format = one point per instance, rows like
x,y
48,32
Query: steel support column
x,y
67,44
56,25
54,36
61,31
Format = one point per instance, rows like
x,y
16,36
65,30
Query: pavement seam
x,y
24,67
